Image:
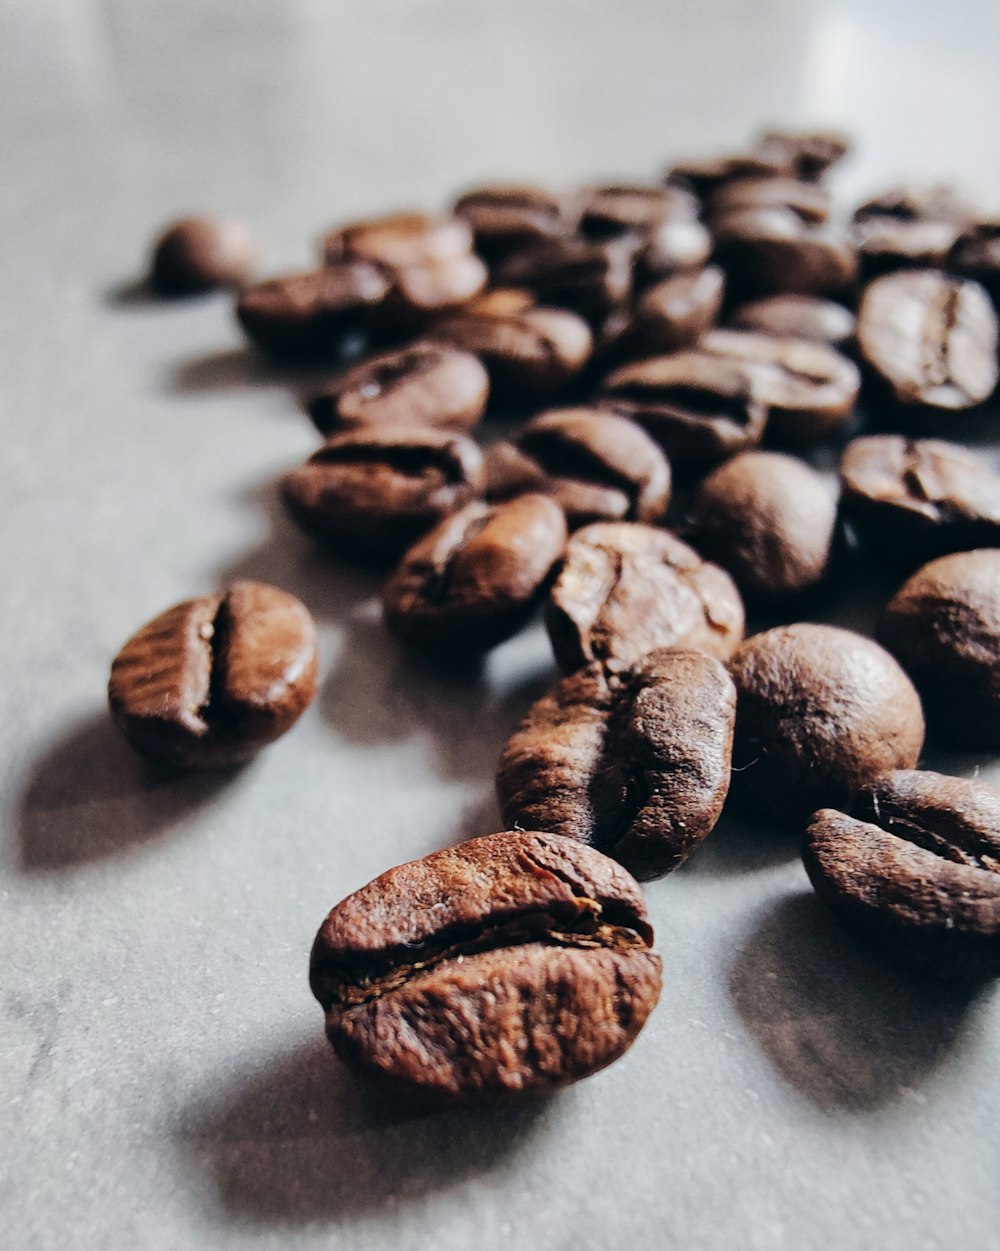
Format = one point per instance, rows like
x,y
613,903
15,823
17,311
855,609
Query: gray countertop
x,y
164,1078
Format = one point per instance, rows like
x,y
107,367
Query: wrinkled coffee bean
x,y
211,681
819,712
400,240
507,217
375,490
976,255
772,250
769,520
625,589
808,154
912,500
916,869
588,277
670,315
200,253
943,626
424,384
930,337
511,963
796,317
634,763
805,199
475,579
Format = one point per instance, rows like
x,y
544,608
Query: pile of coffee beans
x,y
599,403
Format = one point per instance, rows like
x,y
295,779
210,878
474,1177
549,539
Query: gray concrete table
x,y
165,1083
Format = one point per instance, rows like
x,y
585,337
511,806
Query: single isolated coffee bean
x,y
772,251
424,384
375,490
201,253
512,963
796,317
913,499
586,276
503,218
819,712
671,315
916,869
400,240
475,579
635,763
768,519
211,681
943,626
931,338
626,589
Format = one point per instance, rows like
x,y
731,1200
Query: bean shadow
x,y
90,796
132,293
849,1032
241,368
744,842
301,1139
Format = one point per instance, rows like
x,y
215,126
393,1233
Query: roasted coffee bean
x,y
808,154
375,490
634,763
211,681
796,317
421,292
401,240
819,712
805,199
588,277
916,869
699,408
423,384
507,217
930,337
705,175
671,315
625,589
976,255
200,253
772,250
933,202
769,520
912,500
909,226
809,388
619,209
943,626
305,315
502,302
596,465
476,578
511,963
677,244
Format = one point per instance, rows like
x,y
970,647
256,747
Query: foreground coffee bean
x,y
200,253
626,589
671,315
916,869
772,250
375,490
477,577
511,963
913,499
820,711
769,520
929,337
796,317
634,763
212,680
943,626
423,384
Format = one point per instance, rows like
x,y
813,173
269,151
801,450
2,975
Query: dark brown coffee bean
x,y
796,317
502,302
421,292
589,278
635,763
909,227
699,408
940,202
305,315
916,869
507,217
621,208
401,240
375,490
678,243
943,626
912,500
808,154
211,681
772,250
705,175
423,384
930,337
477,577
626,589
671,315
511,963
200,253
819,712
976,255
805,199
769,520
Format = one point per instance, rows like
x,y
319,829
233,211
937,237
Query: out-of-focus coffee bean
x,y
671,315
772,250
796,317
808,154
976,255
506,217
805,199
200,253
400,240
586,276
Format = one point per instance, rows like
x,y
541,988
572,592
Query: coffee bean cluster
x,y
601,403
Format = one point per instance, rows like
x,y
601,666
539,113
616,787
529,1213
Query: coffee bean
x,y
634,763
375,490
211,681
200,253
916,869
909,226
401,240
589,278
511,963
502,302
772,250
940,202
976,255
421,292
475,579
808,201
796,317
911,500
769,520
507,217
626,589
807,154
819,712
306,315
705,175
943,626
931,338
678,243
671,315
622,208
423,384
